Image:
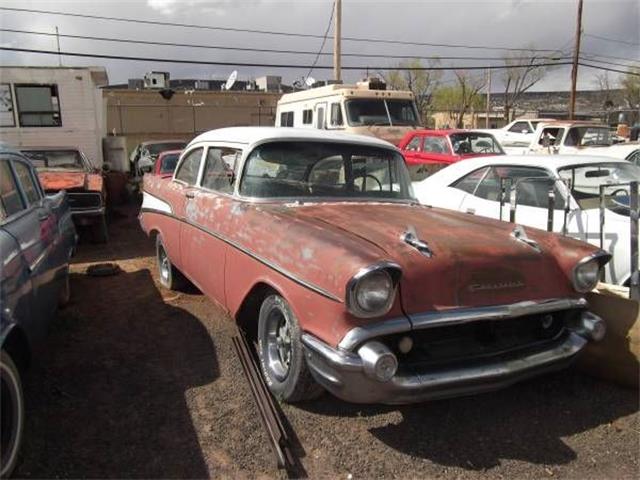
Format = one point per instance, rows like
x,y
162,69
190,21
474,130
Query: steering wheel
x,y
485,150
364,181
619,190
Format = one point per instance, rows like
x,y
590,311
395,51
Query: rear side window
x,y
469,182
188,170
9,194
414,144
520,127
27,181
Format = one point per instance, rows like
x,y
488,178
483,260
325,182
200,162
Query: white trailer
x,y
366,108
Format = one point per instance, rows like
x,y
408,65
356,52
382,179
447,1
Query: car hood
x,y
475,261
54,180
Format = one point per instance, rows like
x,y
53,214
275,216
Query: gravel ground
x,y
138,382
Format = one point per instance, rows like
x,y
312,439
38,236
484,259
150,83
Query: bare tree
x,y
422,83
630,84
605,86
521,74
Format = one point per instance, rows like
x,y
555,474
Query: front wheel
x,y
281,353
12,407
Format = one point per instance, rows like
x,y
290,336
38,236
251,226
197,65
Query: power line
x,y
272,32
624,59
324,39
632,44
609,69
605,62
273,65
259,50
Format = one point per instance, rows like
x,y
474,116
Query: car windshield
x,y
169,162
384,112
155,148
66,159
325,170
475,143
585,182
588,136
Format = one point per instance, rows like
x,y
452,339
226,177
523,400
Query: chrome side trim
x,y
455,316
357,335
248,252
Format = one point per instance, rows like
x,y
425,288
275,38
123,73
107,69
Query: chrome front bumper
x,y
342,372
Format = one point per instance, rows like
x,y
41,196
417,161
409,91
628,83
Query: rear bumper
x,y
343,372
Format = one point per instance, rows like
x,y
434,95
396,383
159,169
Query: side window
x,y
188,170
551,136
38,105
435,145
414,144
220,169
9,194
469,183
336,115
532,186
520,127
23,172
286,119
307,117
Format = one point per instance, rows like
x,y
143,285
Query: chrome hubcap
x,y
163,261
278,344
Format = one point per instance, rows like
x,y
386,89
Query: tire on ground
x,y
298,385
12,414
172,278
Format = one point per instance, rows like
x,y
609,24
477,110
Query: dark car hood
x,y
476,261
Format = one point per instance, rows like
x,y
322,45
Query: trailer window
x,y
286,119
307,117
336,115
38,105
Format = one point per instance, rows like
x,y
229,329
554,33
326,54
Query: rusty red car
x,y
166,162
314,244
67,168
425,149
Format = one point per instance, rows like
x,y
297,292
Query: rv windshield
x,y
45,159
325,170
384,112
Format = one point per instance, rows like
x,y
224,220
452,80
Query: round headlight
x,y
586,275
374,292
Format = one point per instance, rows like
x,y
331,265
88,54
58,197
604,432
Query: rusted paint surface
x,y
53,181
226,246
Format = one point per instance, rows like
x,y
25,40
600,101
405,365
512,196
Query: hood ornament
x,y
521,235
410,237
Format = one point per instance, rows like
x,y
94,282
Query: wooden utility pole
x,y
58,43
576,57
488,109
336,40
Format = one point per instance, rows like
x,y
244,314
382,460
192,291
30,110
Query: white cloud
x,y
171,7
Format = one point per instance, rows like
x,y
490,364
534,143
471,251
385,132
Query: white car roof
x,y
550,162
255,135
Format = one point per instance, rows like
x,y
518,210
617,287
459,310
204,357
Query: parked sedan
x,y
427,151
67,168
166,163
37,238
475,187
315,245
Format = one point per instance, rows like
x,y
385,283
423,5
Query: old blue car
x,y
37,239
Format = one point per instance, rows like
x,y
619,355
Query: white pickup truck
x,y
572,137
518,133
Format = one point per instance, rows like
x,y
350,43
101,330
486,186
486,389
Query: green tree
x,y
422,83
460,98
630,84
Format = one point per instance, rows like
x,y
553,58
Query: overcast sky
x,y
544,24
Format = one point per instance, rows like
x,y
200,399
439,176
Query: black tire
x,y
290,381
99,231
170,276
12,414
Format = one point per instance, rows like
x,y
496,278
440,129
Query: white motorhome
x,y
366,108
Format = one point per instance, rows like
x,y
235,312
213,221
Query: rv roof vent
x,y
372,83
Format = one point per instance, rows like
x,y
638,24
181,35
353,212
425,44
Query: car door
x,y
183,189
34,228
532,186
519,133
208,215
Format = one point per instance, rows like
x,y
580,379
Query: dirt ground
x,y
139,382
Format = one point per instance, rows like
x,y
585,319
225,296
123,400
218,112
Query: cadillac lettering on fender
x,y
314,244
